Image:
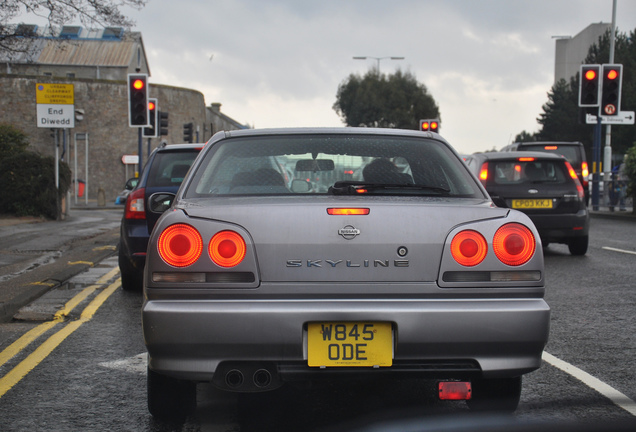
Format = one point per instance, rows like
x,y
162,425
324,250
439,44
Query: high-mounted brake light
x,y
469,248
227,249
526,159
180,245
550,147
348,211
514,244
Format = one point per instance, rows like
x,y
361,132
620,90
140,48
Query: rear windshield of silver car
x,y
331,164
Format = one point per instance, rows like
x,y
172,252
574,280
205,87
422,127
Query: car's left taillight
x,y
180,245
135,207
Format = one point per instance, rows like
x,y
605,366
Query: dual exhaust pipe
x,y
247,376
262,378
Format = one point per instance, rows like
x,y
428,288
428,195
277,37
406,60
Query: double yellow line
x,y
40,353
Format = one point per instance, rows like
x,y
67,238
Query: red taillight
x,y
483,173
455,390
469,248
135,208
227,249
514,244
180,245
347,211
585,171
579,188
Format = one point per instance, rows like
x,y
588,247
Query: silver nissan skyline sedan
x,y
308,254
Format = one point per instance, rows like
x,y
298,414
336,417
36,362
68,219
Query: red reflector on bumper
x,y
455,390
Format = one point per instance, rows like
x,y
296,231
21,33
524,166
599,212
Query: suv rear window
x,y
570,152
516,172
170,167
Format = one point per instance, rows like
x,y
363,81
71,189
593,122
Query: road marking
x,y
35,358
81,262
26,339
618,250
609,392
49,284
12,350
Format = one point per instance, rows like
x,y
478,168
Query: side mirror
x,y
160,202
131,183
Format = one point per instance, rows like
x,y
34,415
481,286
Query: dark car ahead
x,y
382,258
542,185
164,172
573,151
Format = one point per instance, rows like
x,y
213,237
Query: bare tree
x,y
18,39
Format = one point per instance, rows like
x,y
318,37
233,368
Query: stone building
x,y
97,63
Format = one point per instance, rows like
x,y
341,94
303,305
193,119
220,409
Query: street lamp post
x,y
377,59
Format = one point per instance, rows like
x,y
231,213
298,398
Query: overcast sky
x,y
278,63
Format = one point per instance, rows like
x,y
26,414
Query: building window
x,y
70,75
48,74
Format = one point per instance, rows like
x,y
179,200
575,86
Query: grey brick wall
x,y
105,105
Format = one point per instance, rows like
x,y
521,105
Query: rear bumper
x,y
557,227
190,339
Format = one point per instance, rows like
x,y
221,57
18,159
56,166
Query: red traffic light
x,y
429,125
612,74
151,105
138,84
590,75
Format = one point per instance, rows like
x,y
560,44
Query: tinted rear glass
x,y
169,168
312,164
517,172
570,152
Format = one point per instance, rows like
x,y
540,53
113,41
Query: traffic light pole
x,y
597,161
607,153
140,150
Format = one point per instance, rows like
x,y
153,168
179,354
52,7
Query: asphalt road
x,y
37,255
87,372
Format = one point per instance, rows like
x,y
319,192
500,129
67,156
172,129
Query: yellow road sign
x,y
54,94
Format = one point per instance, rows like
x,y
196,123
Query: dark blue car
x,y
164,172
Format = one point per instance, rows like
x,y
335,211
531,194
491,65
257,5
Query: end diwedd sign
x,y
55,105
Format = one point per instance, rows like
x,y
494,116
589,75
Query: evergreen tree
x,y
378,100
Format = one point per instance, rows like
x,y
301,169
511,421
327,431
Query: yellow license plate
x,y
532,203
350,344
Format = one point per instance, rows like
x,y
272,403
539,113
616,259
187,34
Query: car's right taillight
x,y
514,244
135,208
579,188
